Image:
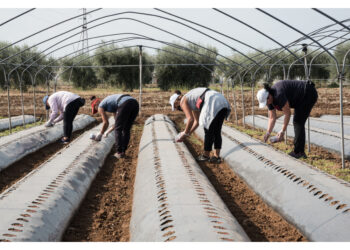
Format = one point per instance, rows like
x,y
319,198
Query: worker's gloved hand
x,y
98,137
266,136
49,124
280,135
105,135
181,136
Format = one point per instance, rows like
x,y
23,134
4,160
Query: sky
x,y
304,19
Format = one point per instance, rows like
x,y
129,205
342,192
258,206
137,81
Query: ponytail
x,y
268,88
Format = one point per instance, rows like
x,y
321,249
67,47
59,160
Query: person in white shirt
x,y
206,108
64,106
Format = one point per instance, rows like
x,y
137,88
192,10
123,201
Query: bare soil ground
x,y
105,213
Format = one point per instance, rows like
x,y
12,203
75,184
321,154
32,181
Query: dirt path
x,y
105,213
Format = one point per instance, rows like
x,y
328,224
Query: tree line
x,y
172,66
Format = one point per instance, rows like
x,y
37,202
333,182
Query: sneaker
x,y
203,158
216,160
298,155
119,155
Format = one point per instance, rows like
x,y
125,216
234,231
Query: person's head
x,y
94,104
175,101
177,92
265,96
47,106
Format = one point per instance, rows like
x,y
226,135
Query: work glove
x,y
280,135
96,137
266,136
49,124
181,136
105,135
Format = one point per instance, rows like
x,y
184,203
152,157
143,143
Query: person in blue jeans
x,y
125,110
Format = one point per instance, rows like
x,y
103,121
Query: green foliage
x,y
125,77
169,76
339,54
28,57
84,78
333,85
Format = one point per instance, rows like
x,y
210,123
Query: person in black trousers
x,y
282,96
125,110
64,105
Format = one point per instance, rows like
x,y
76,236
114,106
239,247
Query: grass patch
x,y
322,161
20,128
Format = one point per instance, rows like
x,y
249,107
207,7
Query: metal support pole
x,y
253,113
234,101
140,70
243,106
341,76
307,78
7,82
22,104
340,79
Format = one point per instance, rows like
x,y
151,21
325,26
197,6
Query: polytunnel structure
x,y
156,189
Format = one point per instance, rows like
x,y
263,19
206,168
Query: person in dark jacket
x,y
125,110
282,96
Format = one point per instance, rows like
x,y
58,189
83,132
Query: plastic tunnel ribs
x,y
173,199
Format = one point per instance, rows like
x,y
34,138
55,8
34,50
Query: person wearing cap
x,y
64,106
207,108
125,110
282,96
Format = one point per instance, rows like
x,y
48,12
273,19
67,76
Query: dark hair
x,y
268,88
178,92
92,98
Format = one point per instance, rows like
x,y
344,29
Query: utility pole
x,y
85,41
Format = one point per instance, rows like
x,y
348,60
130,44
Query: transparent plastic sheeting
x,y
322,137
346,118
173,199
315,202
15,121
17,145
39,206
323,125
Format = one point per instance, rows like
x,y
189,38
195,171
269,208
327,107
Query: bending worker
x,y
66,105
206,108
125,110
282,96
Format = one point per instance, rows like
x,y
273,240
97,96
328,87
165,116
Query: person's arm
x,y
271,123
190,120
105,124
54,112
59,118
195,122
287,113
109,130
